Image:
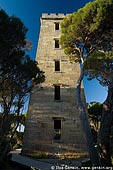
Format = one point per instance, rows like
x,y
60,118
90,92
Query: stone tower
x,y
53,125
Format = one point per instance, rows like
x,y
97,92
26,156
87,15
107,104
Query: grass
x,y
38,155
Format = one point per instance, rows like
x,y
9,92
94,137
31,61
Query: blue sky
x,y
30,11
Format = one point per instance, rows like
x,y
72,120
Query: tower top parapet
x,y
53,16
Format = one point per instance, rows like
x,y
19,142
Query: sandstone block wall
x,y
44,109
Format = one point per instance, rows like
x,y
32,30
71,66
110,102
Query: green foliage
x,y
87,38
95,109
95,114
12,39
100,66
17,140
18,74
18,136
87,30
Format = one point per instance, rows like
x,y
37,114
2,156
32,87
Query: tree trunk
x,y
105,130
7,147
4,127
84,118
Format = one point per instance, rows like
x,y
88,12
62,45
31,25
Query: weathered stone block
x,y
48,116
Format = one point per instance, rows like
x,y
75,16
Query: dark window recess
x,y
56,43
57,128
56,26
57,124
57,65
57,92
